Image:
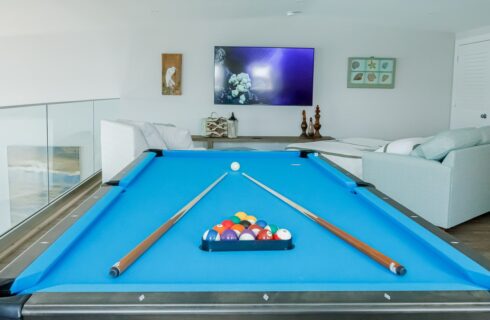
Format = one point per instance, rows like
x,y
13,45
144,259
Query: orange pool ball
x,y
219,228
238,228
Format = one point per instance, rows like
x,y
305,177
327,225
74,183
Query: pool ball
x,y
242,215
261,223
282,234
235,219
265,235
251,219
238,228
219,228
229,235
247,235
255,228
211,235
235,166
272,227
227,223
245,223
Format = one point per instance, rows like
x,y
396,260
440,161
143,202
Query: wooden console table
x,y
255,139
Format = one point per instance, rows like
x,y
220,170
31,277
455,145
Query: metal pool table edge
x,y
338,305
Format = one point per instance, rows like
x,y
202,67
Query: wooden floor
x,y
475,234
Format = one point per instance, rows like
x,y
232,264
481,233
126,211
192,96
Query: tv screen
x,y
269,76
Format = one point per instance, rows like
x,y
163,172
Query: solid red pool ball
x,y
255,229
264,235
282,234
227,223
219,228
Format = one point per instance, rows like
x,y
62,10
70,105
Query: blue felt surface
x,y
319,261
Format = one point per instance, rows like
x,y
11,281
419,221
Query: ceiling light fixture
x,y
292,13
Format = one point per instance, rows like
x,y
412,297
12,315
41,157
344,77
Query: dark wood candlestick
x,y
317,125
304,125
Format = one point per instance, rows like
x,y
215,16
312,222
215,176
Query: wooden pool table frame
x,y
339,305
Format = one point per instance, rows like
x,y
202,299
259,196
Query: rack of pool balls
x,y
243,232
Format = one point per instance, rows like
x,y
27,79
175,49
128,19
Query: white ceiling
x,y
46,16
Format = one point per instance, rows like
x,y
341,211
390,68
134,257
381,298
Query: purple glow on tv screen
x,y
268,76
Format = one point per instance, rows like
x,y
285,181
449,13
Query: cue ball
x,y
235,166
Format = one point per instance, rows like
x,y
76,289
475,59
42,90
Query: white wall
x,y
60,67
419,105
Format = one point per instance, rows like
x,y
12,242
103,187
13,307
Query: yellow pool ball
x,y
242,215
251,219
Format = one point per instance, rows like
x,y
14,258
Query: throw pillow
x,y
151,134
175,138
441,144
402,146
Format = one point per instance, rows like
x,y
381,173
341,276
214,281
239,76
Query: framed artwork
x,y
172,74
371,72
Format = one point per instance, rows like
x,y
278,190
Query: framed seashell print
x,y
371,72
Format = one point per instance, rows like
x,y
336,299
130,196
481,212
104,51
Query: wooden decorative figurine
x,y
311,130
317,125
304,125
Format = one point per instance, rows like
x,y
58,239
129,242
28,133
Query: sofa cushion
x,y
402,146
437,147
175,138
151,134
485,134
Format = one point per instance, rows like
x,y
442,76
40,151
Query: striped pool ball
x,y
282,234
211,235
247,235
251,219
255,228
238,228
272,227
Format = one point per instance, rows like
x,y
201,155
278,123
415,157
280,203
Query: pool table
x,y
66,273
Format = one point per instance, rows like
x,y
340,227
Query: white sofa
x,y
123,140
445,193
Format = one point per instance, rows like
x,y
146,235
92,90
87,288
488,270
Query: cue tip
x,y
114,272
400,270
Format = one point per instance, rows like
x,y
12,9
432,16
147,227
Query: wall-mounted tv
x,y
262,75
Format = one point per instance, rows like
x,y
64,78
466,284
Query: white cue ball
x,y
235,166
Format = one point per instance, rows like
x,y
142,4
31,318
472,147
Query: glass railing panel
x,y
24,182
70,145
103,110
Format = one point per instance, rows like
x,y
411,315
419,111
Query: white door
x,y
471,90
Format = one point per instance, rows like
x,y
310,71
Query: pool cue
x,y
385,261
119,267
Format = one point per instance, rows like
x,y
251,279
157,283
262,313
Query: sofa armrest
x,y
422,186
120,144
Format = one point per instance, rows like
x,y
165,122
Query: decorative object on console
x,y
232,126
172,74
317,125
214,126
371,73
304,125
311,130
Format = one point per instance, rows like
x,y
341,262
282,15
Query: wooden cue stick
x,y
387,262
120,266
